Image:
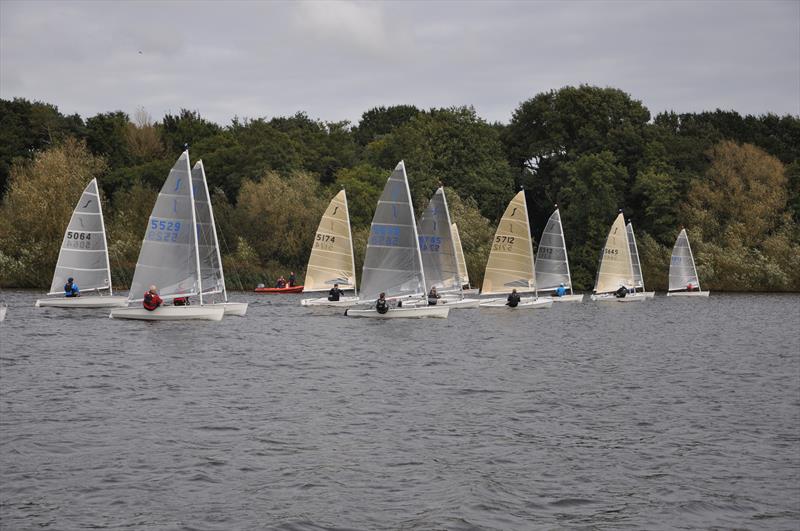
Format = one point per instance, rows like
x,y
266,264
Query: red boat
x,y
293,289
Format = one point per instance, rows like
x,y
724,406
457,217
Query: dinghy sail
x,y
461,262
616,268
510,265
682,271
638,279
393,262
552,264
84,257
436,246
169,257
211,272
331,261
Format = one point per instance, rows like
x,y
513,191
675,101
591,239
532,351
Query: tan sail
x,y
331,261
615,262
460,260
510,262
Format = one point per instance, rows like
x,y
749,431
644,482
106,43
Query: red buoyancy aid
x,y
151,302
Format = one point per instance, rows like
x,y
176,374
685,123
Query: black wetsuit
x,y
621,292
381,306
334,294
433,298
513,300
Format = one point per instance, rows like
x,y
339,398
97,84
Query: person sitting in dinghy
x,y
561,291
71,288
151,299
292,279
281,283
621,292
381,305
513,299
335,293
433,297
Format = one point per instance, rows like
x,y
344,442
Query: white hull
x,y
649,294
343,302
440,311
233,308
630,297
85,301
688,293
461,303
213,312
3,310
471,291
568,298
526,303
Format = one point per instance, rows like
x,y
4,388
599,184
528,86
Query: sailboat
x,y
461,262
616,269
638,279
552,265
84,257
212,275
439,259
393,262
682,272
169,257
510,265
331,261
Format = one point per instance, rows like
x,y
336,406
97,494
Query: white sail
x,y
615,262
392,263
510,263
436,245
331,261
84,253
552,265
461,262
682,271
168,258
638,280
213,280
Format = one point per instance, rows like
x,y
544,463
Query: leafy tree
x,y
187,127
380,121
106,135
363,184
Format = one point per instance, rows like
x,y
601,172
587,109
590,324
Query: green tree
x,y
380,121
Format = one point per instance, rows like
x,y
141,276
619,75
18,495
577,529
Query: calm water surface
x,y
676,413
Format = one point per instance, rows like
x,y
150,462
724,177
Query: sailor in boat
x,y
433,297
281,283
561,291
71,288
690,287
335,293
292,279
151,299
621,292
513,299
381,306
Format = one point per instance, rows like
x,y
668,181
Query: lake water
x,y
675,413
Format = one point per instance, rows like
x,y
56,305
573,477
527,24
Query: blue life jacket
x,y
561,291
71,289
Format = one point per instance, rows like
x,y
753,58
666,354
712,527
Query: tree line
x,y
733,181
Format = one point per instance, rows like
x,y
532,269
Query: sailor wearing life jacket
x,y
151,299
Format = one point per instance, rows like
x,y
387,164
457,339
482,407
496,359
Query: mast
x,y
105,242
214,231
638,262
194,232
350,235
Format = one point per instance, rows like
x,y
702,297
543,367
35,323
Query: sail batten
x,y
331,261
393,262
84,250
682,270
552,264
615,261
510,265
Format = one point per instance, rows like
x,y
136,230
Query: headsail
x,y
331,261
461,262
207,244
615,262
638,280
552,265
168,257
436,245
682,271
84,252
510,263
392,263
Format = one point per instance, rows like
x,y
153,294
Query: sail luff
x,y
350,237
461,261
530,246
638,278
105,240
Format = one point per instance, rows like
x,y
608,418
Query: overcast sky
x,y
335,60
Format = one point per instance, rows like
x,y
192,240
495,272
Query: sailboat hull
x,y
232,308
631,297
649,294
569,298
401,313
688,293
83,302
213,312
526,303
343,302
461,303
